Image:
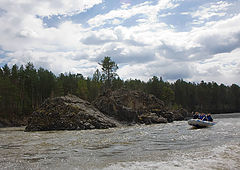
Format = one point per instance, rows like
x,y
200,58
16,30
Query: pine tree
x,y
109,69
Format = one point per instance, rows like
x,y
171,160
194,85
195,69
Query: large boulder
x,y
150,118
132,106
68,113
181,114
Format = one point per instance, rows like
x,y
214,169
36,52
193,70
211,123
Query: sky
x,y
193,40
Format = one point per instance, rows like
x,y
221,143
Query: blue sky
x,y
189,39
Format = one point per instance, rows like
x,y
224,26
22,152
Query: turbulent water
x,y
163,146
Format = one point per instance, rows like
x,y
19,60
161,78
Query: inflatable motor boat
x,y
200,123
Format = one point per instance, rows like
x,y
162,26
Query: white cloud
x,y
222,68
147,48
24,37
183,54
21,27
46,7
220,36
57,62
145,8
125,5
211,9
139,71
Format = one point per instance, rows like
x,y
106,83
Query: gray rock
x,y
68,113
181,114
131,106
128,107
150,118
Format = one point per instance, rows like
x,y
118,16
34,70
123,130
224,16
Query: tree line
x,y
24,88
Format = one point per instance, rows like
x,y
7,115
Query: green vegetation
x,y
23,89
109,69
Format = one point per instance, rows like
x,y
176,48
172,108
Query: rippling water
x,y
163,146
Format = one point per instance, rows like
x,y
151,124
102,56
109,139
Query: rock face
x,y
150,118
112,109
133,107
68,113
181,114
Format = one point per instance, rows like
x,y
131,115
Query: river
x,y
161,146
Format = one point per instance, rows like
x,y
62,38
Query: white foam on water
x,y
221,157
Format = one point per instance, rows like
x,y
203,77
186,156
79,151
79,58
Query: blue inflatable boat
x,y
200,123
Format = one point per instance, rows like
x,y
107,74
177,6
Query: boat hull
x,y
200,123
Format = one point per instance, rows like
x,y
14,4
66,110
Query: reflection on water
x,y
173,145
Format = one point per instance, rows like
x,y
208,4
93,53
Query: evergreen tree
x,y
23,89
109,69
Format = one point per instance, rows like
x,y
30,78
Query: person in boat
x,y
203,117
209,117
196,115
200,116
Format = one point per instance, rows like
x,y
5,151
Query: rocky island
x,y
68,113
111,109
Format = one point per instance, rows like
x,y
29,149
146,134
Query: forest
x,y
24,88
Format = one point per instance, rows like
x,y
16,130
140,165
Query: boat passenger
x,y
196,115
203,117
209,118
200,116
